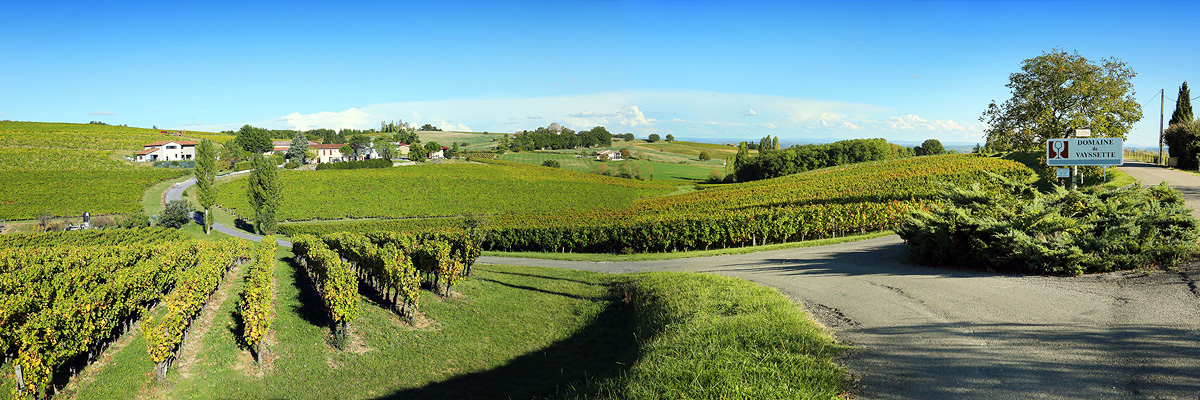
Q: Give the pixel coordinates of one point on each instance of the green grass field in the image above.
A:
(513, 332)
(445, 189)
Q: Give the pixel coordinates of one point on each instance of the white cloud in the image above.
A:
(351, 118)
(103, 113)
(698, 113)
(448, 126)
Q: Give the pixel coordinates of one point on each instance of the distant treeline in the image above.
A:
(775, 162)
(557, 138)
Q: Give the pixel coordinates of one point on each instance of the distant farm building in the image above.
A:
(166, 150)
(611, 155)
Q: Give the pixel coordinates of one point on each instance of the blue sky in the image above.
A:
(901, 70)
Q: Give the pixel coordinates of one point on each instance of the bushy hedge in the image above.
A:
(1059, 233)
(376, 163)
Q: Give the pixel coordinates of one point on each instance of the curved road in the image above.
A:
(176, 193)
(933, 333)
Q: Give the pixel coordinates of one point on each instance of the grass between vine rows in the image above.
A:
(514, 332)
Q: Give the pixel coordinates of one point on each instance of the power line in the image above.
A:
(1151, 99)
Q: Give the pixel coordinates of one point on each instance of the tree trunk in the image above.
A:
(20, 378)
(160, 371)
(258, 356)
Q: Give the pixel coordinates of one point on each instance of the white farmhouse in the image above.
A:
(327, 153)
(167, 150)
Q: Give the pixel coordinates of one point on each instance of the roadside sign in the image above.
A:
(1085, 151)
(1062, 172)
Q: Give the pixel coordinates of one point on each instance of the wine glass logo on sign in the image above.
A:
(1058, 149)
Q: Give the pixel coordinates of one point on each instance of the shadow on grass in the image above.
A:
(545, 277)
(311, 308)
(241, 224)
(601, 351)
(531, 288)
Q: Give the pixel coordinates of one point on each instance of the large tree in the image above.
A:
(265, 191)
(298, 148)
(1183, 106)
(254, 140)
(1059, 91)
(206, 174)
(932, 147)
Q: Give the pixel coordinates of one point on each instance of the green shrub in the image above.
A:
(176, 215)
(241, 166)
(551, 164)
(376, 163)
(1013, 227)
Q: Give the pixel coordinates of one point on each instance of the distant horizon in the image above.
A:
(902, 70)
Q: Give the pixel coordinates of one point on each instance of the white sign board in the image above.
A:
(1085, 151)
(1062, 172)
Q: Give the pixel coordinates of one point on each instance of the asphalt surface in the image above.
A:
(935, 333)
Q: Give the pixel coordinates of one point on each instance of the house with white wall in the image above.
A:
(327, 153)
(167, 150)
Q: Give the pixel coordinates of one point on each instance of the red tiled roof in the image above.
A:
(146, 151)
(327, 146)
(162, 142)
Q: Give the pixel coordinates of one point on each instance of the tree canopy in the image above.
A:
(298, 148)
(1059, 91)
(265, 191)
(206, 174)
(254, 140)
(1183, 106)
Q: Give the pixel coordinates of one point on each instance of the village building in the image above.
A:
(167, 150)
(328, 153)
(611, 155)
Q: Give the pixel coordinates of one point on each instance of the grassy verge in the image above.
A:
(712, 337)
(152, 198)
(683, 254)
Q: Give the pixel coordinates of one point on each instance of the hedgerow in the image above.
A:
(1013, 227)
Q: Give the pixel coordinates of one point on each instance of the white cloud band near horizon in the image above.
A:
(685, 113)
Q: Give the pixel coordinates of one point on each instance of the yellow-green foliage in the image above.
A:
(256, 303)
(432, 190)
(66, 169)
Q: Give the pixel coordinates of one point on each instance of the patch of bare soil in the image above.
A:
(190, 348)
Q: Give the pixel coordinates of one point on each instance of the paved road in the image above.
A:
(176, 193)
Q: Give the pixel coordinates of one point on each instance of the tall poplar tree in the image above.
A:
(265, 192)
(1183, 106)
(206, 174)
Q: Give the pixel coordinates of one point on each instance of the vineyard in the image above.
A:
(66, 296)
(824, 203)
(433, 190)
(60, 169)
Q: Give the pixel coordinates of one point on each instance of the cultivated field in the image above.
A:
(61, 169)
(441, 189)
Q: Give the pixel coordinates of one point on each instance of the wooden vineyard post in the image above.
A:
(20, 378)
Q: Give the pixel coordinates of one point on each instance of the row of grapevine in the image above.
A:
(388, 268)
(66, 304)
(91, 237)
(192, 290)
(334, 280)
(257, 298)
(825, 203)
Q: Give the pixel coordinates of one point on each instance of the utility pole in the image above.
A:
(1162, 104)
